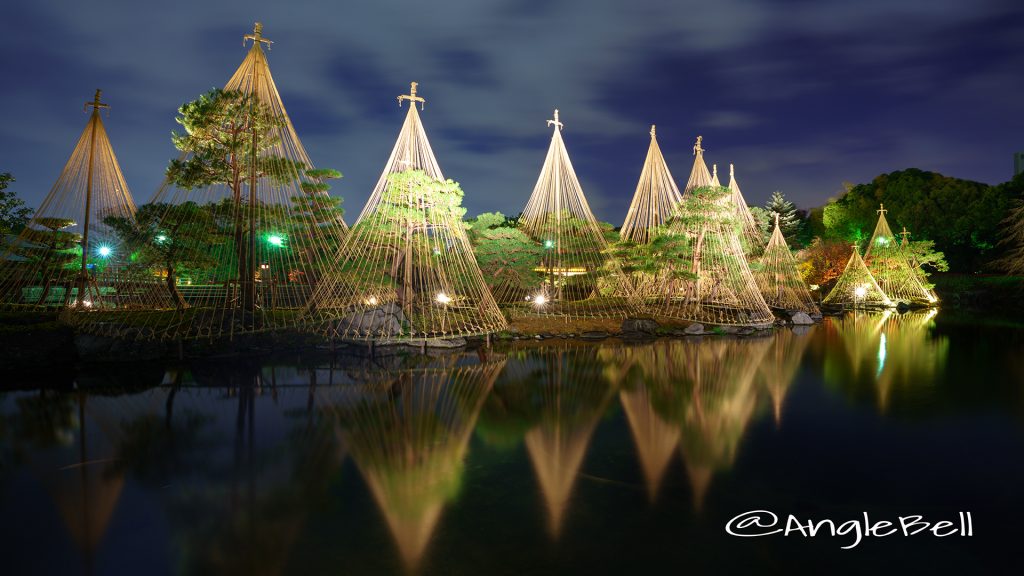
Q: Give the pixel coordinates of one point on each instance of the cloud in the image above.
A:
(796, 90)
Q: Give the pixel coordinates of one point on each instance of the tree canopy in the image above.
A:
(13, 212)
(960, 216)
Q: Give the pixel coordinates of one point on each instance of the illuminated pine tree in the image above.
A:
(789, 220)
(703, 275)
(57, 257)
(406, 270)
(578, 279)
(856, 287)
(891, 268)
(778, 277)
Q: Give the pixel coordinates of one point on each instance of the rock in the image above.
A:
(694, 329)
(386, 320)
(802, 319)
(730, 329)
(801, 330)
(445, 342)
(639, 325)
(594, 335)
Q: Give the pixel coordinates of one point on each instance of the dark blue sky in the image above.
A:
(801, 95)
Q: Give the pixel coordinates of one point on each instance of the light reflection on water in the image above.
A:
(249, 468)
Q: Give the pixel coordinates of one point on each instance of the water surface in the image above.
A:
(551, 458)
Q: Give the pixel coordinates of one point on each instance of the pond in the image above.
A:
(556, 457)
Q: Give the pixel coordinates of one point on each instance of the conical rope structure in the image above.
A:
(57, 260)
(574, 276)
(704, 276)
(655, 198)
(921, 276)
(888, 262)
(857, 287)
(752, 236)
(714, 176)
(779, 280)
(699, 175)
(406, 270)
(242, 230)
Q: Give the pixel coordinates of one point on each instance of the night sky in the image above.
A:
(801, 95)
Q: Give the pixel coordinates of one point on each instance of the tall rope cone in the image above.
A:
(266, 239)
(655, 198)
(574, 279)
(857, 286)
(406, 270)
(704, 277)
(752, 237)
(887, 260)
(918, 270)
(699, 175)
(779, 280)
(56, 261)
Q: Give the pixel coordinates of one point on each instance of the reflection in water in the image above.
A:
(707, 390)
(780, 364)
(551, 398)
(241, 459)
(407, 428)
(884, 352)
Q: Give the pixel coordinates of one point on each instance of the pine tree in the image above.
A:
(506, 256)
(13, 212)
(790, 222)
(51, 252)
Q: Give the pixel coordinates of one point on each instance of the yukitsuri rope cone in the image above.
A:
(921, 276)
(704, 273)
(778, 279)
(655, 198)
(408, 430)
(856, 287)
(752, 236)
(55, 262)
(242, 229)
(406, 270)
(714, 176)
(654, 201)
(888, 263)
(573, 278)
(699, 175)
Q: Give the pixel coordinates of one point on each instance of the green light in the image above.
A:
(104, 251)
(882, 240)
(549, 244)
(276, 240)
(161, 238)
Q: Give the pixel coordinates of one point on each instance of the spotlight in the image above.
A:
(442, 298)
(104, 251)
